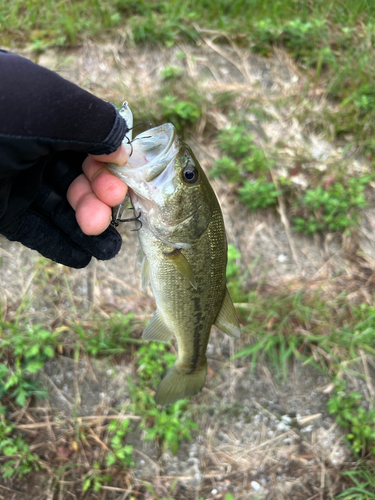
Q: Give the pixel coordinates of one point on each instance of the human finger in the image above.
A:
(108, 188)
(120, 156)
(93, 216)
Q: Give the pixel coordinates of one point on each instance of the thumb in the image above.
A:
(120, 156)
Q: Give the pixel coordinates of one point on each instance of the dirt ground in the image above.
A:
(259, 437)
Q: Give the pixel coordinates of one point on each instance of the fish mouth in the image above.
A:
(153, 150)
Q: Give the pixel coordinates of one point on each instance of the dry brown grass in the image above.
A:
(233, 451)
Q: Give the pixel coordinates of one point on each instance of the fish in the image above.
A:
(183, 253)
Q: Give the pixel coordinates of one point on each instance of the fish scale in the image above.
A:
(183, 254)
(182, 308)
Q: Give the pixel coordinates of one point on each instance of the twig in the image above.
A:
(367, 373)
(285, 222)
(98, 440)
(91, 420)
(224, 55)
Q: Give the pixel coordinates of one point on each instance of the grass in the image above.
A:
(331, 44)
(331, 41)
(24, 352)
(280, 328)
(363, 484)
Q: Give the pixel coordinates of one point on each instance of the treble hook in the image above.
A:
(116, 222)
(135, 219)
(130, 141)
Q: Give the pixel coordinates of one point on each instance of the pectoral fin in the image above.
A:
(157, 329)
(140, 255)
(145, 272)
(182, 265)
(227, 320)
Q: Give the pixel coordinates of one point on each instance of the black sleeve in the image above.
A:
(47, 127)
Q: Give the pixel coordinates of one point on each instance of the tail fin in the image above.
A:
(176, 385)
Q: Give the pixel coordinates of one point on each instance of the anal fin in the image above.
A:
(157, 329)
(227, 320)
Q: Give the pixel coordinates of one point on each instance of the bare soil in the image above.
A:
(259, 436)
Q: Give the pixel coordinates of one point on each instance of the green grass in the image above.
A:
(332, 41)
(284, 326)
(24, 351)
(355, 419)
(333, 45)
(334, 208)
(292, 22)
(363, 484)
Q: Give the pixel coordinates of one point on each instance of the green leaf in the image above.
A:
(32, 352)
(110, 460)
(49, 351)
(3, 370)
(86, 484)
(34, 366)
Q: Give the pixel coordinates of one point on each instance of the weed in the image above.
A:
(298, 326)
(359, 422)
(363, 479)
(112, 337)
(25, 350)
(181, 113)
(258, 194)
(170, 73)
(120, 453)
(226, 167)
(168, 426)
(332, 209)
(17, 460)
(15, 382)
(241, 158)
(95, 479)
(153, 361)
(236, 142)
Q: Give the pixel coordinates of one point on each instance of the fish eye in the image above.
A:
(190, 175)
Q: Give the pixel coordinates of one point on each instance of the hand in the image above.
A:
(51, 126)
(92, 193)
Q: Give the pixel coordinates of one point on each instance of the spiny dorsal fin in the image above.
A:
(227, 320)
(145, 272)
(179, 260)
(157, 329)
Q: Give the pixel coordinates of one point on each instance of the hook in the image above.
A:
(116, 222)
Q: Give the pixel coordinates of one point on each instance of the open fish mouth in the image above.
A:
(152, 151)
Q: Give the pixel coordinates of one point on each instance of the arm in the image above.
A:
(47, 127)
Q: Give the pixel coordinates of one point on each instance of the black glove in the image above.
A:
(47, 127)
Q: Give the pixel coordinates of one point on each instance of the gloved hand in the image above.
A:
(47, 127)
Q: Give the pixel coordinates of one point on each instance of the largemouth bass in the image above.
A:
(183, 253)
